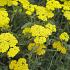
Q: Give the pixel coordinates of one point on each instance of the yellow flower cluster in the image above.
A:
(51, 27)
(41, 12)
(3, 2)
(44, 13)
(40, 34)
(67, 14)
(4, 19)
(30, 8)
(26, 30)
(64, 36)
(8, 44)
(39, 49)
(59, 46)
(8, 2)
(66, 9)
(38, 30)
(53, 4)
(18, 65)
(12, 2)
(13, 51)
(66, 5)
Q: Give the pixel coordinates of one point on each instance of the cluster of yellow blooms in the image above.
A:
(41, 12)
(4, 19)
(26, 30)
(18, 65)
(30, 8)
(66, 9)
(64, 36)
(37, 48)
(8, 44)
(40, 40)
(40, 34)
(40, 31)
(53, 4)
(8, 2)
(59, 46)
(45, 13)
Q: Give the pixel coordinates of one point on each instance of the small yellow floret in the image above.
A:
(64, 36)
(58, 45)
(26, 30)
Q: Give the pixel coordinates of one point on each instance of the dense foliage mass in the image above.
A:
(34, 34)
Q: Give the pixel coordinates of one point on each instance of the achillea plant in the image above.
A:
(34, 34)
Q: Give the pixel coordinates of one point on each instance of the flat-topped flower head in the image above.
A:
(8, 44)
(4, 19)
(18, 65)
(8, 2)
(59, 47)
(64, 36)
(67, 14)
(39, 49)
